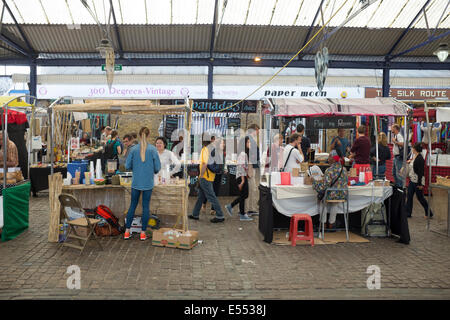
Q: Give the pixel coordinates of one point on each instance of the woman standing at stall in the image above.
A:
(242, 174)
(384, 153)
(417, 180)
(143, 160)
(167, 157)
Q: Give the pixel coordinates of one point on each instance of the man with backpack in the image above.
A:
(206, 190)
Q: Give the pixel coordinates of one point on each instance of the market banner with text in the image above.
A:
(143, 91)
(410, 94)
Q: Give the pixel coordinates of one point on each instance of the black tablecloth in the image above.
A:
(39, 178)
(398, 219)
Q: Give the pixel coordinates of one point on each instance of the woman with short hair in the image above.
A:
(417, 180)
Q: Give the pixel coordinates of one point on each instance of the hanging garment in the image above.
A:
(435, 130)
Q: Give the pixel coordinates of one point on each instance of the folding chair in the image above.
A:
(326, 202)
(68, 200)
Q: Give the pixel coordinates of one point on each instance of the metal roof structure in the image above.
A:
(403, 33)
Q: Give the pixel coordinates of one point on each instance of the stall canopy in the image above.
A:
(122, 107)
(330, 107)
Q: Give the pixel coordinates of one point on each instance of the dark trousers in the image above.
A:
(412, 188)
(216, 186)
(242, 196)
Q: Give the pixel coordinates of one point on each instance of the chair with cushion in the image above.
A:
(68, 200)
(326, 202)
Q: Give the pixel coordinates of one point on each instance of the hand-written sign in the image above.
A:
(337, 122)
(171, 125)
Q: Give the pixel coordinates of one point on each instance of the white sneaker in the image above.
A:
(229, 209)
(245, 217)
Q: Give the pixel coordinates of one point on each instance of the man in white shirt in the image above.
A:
(397, 150)
(292, 157)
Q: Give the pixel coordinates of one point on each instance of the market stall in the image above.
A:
(168, 198)
(15, 190)
(433, 172)
(301, 198)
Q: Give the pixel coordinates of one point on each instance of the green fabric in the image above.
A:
(15, 210)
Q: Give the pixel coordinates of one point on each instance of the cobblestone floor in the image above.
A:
(229, 264)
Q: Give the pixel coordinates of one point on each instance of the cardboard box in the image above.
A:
(175, 238)
(381, 183)
(304, 166)
(307, 180)
(353, 172)
(295, 172)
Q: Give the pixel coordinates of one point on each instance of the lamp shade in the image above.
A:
(442, 52)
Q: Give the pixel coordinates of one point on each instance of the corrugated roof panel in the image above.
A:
(359, 41)
(286, 12)
(330, 9)
(27, 11)
(59, 38)
(260, 12)
(307, 12)
(434, 12)
(384, 16)
(57, 12)
(418, 36)
(132, 13)
(184, 38)
(260, 39)
(205, 13)
(235, 12)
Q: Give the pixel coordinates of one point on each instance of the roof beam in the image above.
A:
(213, 29)
(311, 27)
(235, 63)
(14, 45)
(406, 30)
(432, 39)
(116, 29)
(22, 34)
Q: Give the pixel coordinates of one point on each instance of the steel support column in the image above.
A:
(32, 85)
(386, 76)
(210, 80)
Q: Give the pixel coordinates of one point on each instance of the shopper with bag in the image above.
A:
(292, 157)
(415, 172)
(206, 190)
(143, 160)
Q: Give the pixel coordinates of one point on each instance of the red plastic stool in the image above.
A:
(294, 235)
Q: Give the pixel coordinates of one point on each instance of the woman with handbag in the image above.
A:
(415, 172)
(242, 175)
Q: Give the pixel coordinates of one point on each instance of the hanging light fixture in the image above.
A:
(442, 52)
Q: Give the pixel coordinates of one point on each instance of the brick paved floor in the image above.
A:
(219, 268)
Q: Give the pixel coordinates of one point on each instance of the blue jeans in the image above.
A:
(381, 171)
(135, 194)
(206, 191)
(397, 165)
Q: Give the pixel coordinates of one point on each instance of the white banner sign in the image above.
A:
(141, 91)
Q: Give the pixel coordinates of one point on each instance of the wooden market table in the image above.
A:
(168, 202)
(440, 203)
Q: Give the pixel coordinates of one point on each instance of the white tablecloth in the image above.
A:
(290, 200)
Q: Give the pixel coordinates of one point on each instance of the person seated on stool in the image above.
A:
(336, 172)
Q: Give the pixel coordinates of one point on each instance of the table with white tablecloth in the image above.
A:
(279, 203)
(290, 200)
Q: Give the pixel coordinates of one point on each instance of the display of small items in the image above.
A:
(13, 176)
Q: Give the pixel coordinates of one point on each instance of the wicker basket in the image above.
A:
(443, 181)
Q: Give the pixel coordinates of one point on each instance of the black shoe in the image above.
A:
(192, 217)
(216, 220)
